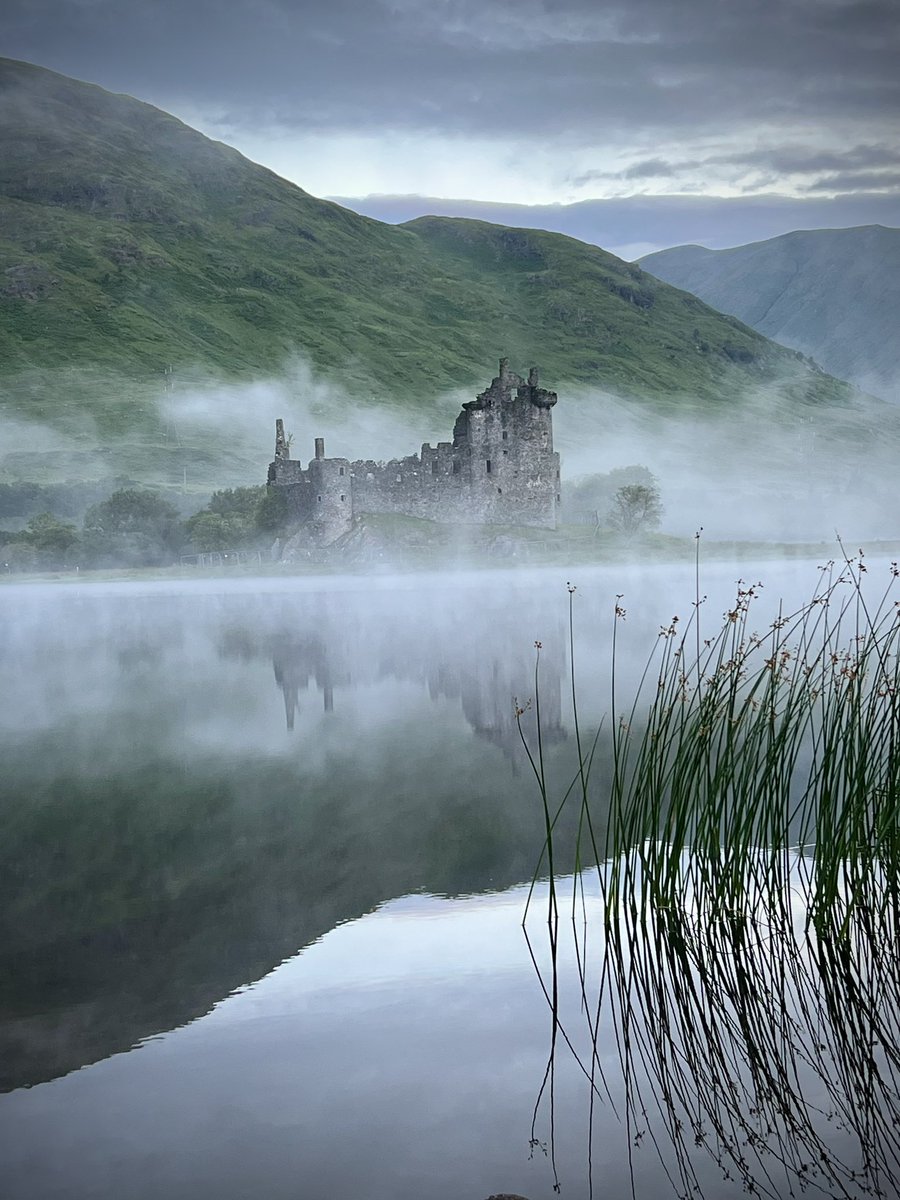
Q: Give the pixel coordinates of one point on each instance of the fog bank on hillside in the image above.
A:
(752, 471)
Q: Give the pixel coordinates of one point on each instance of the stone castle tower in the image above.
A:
(499, 469)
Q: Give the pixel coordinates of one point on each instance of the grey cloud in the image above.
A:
(800, 160)
(650, 168)
(647, 168)
(567, 68)
(860, 181)
(777, 160)
(796, 160)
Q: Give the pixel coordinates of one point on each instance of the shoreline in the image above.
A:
(385, 558)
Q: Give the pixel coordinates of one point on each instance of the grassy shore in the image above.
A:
(383, 543)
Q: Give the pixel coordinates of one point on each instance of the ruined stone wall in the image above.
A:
(500, 468)
(332, 506)
(427, 485)
(506, 436)
(320, 497)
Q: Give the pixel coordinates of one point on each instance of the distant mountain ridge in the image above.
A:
(132, 245)
(833, 294)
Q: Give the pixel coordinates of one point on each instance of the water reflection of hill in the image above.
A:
(165, 843)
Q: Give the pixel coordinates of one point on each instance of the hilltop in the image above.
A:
(132, 246)
(830, 293)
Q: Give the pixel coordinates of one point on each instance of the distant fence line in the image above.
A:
(221, 558)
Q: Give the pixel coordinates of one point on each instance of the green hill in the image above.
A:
(132, 246)
(831, 293)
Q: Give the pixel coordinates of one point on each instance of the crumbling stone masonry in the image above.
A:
(499, 469)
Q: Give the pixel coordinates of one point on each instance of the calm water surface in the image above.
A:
(264, 865)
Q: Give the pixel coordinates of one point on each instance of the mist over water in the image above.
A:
(276, 835)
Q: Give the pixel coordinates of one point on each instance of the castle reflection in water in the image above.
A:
(488, 677)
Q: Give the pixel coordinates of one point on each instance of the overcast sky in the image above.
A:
(742, 118)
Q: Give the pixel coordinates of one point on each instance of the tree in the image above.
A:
(272, 511)
(237, 502)
(211, 531)
(132, 527)
(229, 521)
(636, 508)
(46, 532)
(46, 543)
(589, 500)
(132, 510)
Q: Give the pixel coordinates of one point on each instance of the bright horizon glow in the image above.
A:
(557, 172)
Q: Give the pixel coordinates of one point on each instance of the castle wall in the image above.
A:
(513, 471)
(426, 485)
(500, 468)
(319, 497)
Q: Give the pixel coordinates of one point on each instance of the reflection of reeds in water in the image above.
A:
(747, 967)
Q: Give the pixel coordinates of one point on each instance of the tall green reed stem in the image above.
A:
(754, 775)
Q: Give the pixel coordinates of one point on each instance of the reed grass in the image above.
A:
(743, 957)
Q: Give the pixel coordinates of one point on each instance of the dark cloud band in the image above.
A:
(502, 68)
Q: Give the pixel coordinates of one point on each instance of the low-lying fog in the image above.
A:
(205, 659)
(751, 470)
(201, 781)
(762, 467)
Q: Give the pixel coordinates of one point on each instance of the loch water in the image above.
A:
(266, 852)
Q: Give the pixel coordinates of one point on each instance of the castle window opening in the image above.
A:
(505, 435)
(499, 491)
(434, 466)
(488, 465)
(340, 472)
(319, 498)
(456, 466)
(343, 497)
(506, 454)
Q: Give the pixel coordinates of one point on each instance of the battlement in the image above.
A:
(500, 468)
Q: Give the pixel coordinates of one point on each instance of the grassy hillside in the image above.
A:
(130, 245)
(831, 293)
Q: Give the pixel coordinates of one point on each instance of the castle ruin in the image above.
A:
(500, 469)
